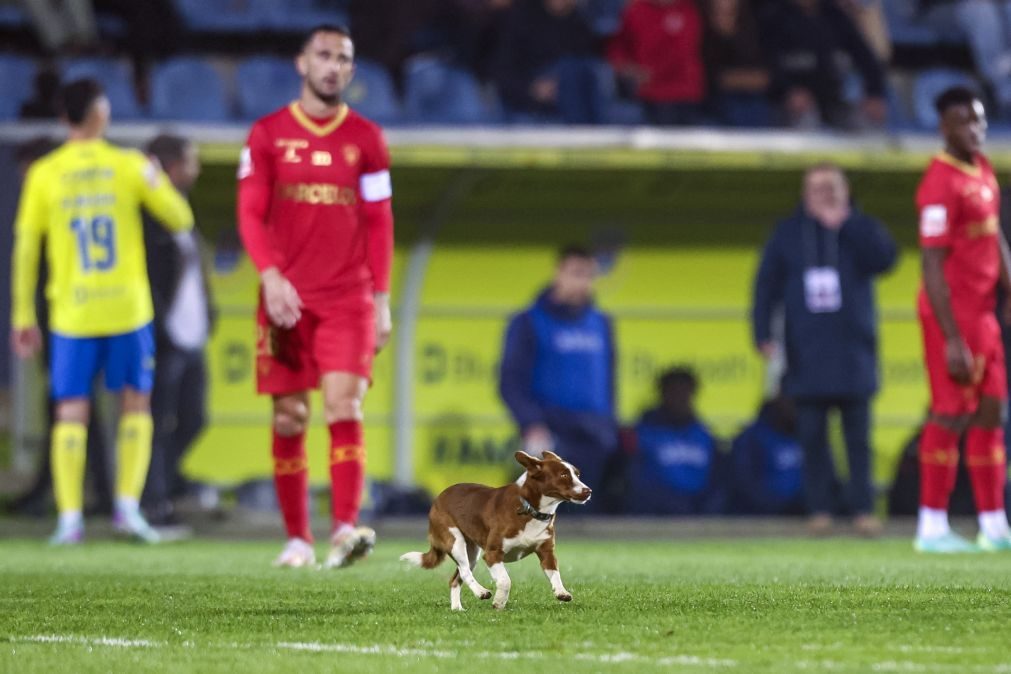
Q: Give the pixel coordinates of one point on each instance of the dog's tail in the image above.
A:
(427, 560)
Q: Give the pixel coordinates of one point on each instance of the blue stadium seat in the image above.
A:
(12, 15)
(437, 93)
(116, 77)
(302, 15)
(188, 89)
(907, 29)
(265, 83)
(222, 16)
(605, 15)
(928, 85)
(17, 74)
(372, 94)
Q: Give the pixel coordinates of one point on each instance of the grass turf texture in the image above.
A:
(732, 606)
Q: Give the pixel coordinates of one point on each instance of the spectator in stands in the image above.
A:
(62, 24)
(183, 320)
(986, 25)
(658, 50)
(737, 71)
(42, 104)
(869, 18)
(820, 265)
(385, 30)
(557, 370)
(544, 65)
(767, 463)
(677, 468)
(809, 41)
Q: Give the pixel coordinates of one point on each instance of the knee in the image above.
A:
(291, 418)
(343, 407)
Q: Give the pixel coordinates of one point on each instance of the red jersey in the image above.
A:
(959, 206)
(666, 40)
(308, 196)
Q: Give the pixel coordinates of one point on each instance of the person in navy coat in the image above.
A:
(819, 266)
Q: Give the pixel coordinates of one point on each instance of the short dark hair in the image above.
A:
(574, 250)
(77, 97)
(326, 28)
(167, 148)
(679, 374)
(954, 96)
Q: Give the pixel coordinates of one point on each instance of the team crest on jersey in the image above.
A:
(352, 154)
(321, 158)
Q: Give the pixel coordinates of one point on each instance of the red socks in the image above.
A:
(938, 465)
(291, 481)
(347, 471)
(987, 464)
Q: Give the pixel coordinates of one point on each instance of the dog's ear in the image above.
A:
(551, 455)
(532, 464)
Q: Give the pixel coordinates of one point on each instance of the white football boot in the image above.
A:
(297, 553)
(348, 545)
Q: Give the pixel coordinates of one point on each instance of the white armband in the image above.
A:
(376, 186)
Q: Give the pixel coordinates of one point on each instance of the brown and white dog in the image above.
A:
(506, 523)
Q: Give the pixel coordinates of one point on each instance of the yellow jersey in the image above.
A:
(84, 200)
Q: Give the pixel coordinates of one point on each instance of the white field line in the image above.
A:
(380, 649)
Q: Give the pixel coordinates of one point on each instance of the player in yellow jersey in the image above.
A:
(84, 200)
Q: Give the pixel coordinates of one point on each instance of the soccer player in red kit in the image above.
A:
(315, 217)
(964, 258)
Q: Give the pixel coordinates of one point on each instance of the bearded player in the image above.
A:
(316, 219)
(965, 256)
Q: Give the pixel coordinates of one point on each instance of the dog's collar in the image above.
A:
(527, 509)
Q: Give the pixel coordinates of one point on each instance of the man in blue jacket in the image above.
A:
(820, 266)
(557, 370)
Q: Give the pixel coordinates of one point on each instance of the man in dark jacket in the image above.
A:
(544, 66)
(557, 371)
(183, 316)
(820, 266)
(808, 41)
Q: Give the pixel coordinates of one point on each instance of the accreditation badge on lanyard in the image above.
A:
(822, 289)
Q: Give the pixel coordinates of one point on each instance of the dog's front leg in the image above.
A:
(494, 558)
(546, 553)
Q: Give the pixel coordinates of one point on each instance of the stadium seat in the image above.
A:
(605, 15)
(906, 29)
(116, 77)
(926, 88)
(438, 93)
(222, 16)
(12, 15)
(188, 89)
(301, 15)
(17, 74)
(372, 94)
(265, 83)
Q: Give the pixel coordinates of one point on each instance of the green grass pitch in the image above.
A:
(687, 606)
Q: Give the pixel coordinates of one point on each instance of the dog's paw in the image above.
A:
(458, 609)
(484, 595)
(499, 606)
(564, 596)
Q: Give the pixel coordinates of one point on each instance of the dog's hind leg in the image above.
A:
(460, 554)
(546, 553)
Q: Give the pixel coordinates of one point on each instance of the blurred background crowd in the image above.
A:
(844, 64)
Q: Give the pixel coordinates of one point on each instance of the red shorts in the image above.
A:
(989, 378)
(337, 337)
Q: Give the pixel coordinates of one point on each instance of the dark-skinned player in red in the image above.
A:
(315, 216)
(965, 257)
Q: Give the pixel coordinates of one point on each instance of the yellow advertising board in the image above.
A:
(672, 305)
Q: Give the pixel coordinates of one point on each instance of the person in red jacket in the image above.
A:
(659, 49)
(316, 219)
